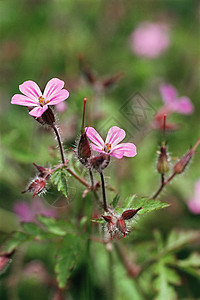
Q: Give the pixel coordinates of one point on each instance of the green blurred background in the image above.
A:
(42, 39)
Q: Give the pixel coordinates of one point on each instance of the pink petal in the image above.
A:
(96, 148)
(53, 87)
(30, 89)
(59, 97)
(124, 149)
(38, 111)
(23, 100)
(93, 135)
(194, 206)
(115, 135)
(168, 93)
(184, 106)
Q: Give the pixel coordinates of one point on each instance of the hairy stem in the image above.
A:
(59, 142)
(163, 184)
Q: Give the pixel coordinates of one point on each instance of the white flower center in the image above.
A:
(42, 101)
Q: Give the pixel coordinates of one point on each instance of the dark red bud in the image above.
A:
(121, 225)
(86, 70)
(46, 118)
(163, 161)
(107, 218)
(180, 166)
(99, 162)
(84, 151)
(42, 170)
(36, 186)
(113, 79)
(128, 214)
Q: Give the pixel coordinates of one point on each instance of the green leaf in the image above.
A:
(165, 277)
(115, 200)
(57, 227)
(66, 259)
(191, 264)
(179, 238)
(59, 178)
(98, 220)
(15, 240)
(148, 205)
(34, 230)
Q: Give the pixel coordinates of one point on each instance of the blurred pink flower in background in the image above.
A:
(173, 103)
(28, 212)
(194, 202)
(61, 107)
(150, 39)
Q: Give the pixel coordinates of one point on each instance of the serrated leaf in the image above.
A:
(115, 200)
(179, 238)
(34, 230)
(165, 277)
(59, 178)
(191, 264)
(148, 205)
(66, 259)
(16, 239)
(98, 220)
(53, 226)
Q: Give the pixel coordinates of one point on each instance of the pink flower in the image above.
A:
(173, 103)
(111, 146)
(150, 39)
(28, 212)
(194, 203)
(53, 94)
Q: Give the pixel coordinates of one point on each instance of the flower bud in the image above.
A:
(163, 161)
(36, 186)
(180, 166)
(84, 151)
(111, 224)
(99, 162)
(43, 172)
(113, 79)
(121, 225)
(46, 118)
(128, 214)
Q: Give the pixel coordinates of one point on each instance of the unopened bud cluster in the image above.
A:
(116, 223)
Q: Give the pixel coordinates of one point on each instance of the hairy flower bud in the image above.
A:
(43, 172)
(47, 118)
(130, 213)
(180, 166)
(163, 161)
(99, 162)
(84, 151)
(36, 186)
(121, 225)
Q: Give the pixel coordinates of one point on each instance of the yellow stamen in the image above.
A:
(107, 148)
(41, 100)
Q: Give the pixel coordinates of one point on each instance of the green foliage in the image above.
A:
(14, 241)
(148, 205)
(115, 200)
(59, 178)
(66, 259)
(165, 277)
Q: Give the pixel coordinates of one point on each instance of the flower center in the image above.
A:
(41, 100)
(107, 148)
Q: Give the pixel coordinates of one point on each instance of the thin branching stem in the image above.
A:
(103, 192)
(163, 184)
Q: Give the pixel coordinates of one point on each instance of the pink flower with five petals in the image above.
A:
(33, 97)
(111, 145)
(173, 103)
